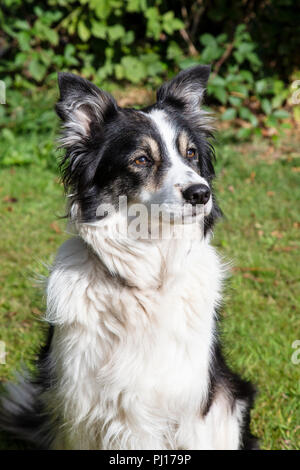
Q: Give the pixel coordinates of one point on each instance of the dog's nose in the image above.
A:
(197, 194)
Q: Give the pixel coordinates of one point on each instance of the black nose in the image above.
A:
(197, 194)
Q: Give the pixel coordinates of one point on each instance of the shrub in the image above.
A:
(143, 42)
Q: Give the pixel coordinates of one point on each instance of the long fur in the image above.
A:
(133, 359)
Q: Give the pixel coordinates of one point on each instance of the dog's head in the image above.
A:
(157, 155)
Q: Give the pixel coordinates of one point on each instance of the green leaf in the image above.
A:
(246, 114)
(240, 88)
(244, 133)
(8, 135)
(24, 38)
(261, 86)
(266, 106)
(281, 114)
(37, 69)
(278, 86)
(235, 101)
(219, 93)
(133, 6)
(238, 57)
(218, 81)
(20, 58)
(102, 8)
(154, 66)
(229, 114)
(134, 70)
(99, 29)
(109, 53)
(211, 53)
(170, 23)
(22, 24)
(187, 62)
(174, 51)
(83, 31)
(278, 100)
(254, 59)
(207, 39)
(128, 38)
(116, 32)
(247, 75)
(52, 36)
(221, 38)
(296, 113)
(271, 121)
(119, 71)
(245, 47)
(69, 55)
(154, 26)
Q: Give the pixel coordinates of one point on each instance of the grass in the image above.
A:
(259, 192)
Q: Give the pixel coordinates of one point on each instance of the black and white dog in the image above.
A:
(133, 359)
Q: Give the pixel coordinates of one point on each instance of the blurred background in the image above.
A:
(129, 47)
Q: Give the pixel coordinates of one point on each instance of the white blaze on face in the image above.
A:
(179, 175)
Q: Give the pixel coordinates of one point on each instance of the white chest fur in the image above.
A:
(131, 347)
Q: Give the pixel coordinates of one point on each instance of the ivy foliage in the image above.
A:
(143, 42)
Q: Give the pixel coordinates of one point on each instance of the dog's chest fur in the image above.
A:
(132, 347)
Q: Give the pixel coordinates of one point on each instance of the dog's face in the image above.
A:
(158, 155)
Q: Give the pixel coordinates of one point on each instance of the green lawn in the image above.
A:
(259, 192)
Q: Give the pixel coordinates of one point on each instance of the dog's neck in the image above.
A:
(143, 262)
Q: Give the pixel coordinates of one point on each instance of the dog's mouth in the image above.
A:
(183, 213)
(146, 215)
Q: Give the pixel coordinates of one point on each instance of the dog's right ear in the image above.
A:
(82, 107)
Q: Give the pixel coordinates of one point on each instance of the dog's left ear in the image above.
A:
(186, 90)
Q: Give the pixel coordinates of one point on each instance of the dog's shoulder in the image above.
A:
(68, 281)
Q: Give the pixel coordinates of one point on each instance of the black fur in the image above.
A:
(22, 411)
(221, 376)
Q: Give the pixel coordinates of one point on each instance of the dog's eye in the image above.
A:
(191, 153)
(142, 161)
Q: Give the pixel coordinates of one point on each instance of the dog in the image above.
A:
(133, 357)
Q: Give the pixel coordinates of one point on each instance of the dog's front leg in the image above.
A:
(219, 429)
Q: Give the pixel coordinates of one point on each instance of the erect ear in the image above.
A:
(186, 90)
(81, 106)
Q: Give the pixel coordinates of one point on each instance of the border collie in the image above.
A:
(132, 359)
